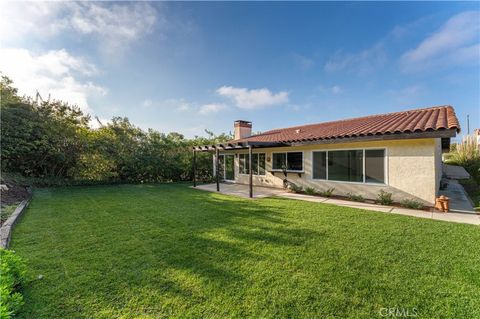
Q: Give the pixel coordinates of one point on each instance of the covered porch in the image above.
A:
(235, 188)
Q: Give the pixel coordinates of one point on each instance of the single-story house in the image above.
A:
(396, 152)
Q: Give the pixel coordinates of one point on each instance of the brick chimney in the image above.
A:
(242, 129)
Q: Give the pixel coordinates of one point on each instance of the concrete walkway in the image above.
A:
(262, 192)
(459, 200)
(455, 172)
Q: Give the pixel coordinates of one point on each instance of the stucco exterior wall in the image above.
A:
(412, 169)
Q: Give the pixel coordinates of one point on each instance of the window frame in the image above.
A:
(385, 165)
(286, 162)
(258, 163)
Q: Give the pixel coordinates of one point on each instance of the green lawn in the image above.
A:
(169, 251)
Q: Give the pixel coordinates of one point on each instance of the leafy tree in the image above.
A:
(53, 140)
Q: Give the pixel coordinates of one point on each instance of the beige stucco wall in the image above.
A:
(413, 169)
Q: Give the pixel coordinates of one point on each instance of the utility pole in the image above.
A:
(468, 124)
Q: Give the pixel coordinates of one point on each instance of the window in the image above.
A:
(320, 165)
(279, 161)
(292, 161)
(362, 166)
(258, 164)
(375, 166)
(345, 166)
(261, 164)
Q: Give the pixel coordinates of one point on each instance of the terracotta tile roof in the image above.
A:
(419, 120)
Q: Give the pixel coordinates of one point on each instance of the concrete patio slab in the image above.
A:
(262, 192)
(241, 190)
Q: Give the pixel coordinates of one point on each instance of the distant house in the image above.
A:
(396, 152)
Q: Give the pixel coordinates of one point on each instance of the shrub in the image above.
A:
(356, 198)
(327, 193)
(13, 274)
(384, 198)
(310, 191)
(467, 152)
(411, 203)
(296, 188)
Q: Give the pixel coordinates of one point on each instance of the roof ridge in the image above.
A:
(356, 118)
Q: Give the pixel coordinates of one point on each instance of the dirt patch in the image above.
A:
(13, 195)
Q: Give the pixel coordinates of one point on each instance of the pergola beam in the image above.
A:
(194, 168)
(217, 175)
(250, 155)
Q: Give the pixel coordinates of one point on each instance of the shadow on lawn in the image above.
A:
(209, 239)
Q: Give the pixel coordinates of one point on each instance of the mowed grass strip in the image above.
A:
(153, 251)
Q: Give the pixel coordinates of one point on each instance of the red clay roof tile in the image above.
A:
(418, 120)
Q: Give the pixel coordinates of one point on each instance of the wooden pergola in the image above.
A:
(228, 147)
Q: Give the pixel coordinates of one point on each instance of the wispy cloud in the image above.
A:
(254, 98)
(114, 26)
(211, 108)
(302, 62)
(455, 43)
(56, 73)
(363, 62)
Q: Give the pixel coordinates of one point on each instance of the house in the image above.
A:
(396, 152)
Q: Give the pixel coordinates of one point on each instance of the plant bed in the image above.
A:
(356, 199)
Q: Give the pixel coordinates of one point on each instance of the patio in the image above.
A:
(241, 190)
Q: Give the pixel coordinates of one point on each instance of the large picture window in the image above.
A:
(320, 165)
(345, 166)
(361, 166)
(292, 161)
(258, 164)
(375, 166)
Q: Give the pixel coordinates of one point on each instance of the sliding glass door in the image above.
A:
(226, 167)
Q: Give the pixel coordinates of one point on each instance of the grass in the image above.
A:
(7, 211)
(154, 251)
(473, 190)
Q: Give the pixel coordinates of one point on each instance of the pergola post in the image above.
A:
(251, 170)
(217, 175)
(194, 168)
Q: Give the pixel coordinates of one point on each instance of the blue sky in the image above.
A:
(187, 67)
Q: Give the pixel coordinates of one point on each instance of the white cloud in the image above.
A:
(114, 26)
(336, 89)
(211, 108)
(177, 104)
(302, 62)
(255, 98)
(363, 62)
(147, 103)
(456, 42)
(55, 73)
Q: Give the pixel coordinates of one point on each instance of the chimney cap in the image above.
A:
(243, 123)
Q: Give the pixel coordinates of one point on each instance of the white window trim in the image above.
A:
(286, 162)
(385, 165)
(248, 174)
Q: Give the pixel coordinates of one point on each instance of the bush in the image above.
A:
(296, 188)
(356, 198)
(327, 193)
(310, 191)
(411, 203)
(466, 152)
(384, 198)
(13, 273)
